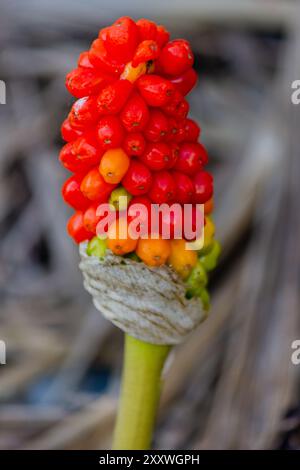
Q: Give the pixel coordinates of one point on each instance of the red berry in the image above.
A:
(83, 113)
(76, 229)
(176, 57)
(113, 97)
(80, 155)
(72, 195)
(135, 114)
(176, 130)
(68, 133)
(177, 107)
(171, 223)
(101, 59)
(163, 188)
(90, 218)
(121, 39)
(162, 36)
(189, 159)
(84, 60)
(134, 144)
(147, 29)
(143, 212)
(110, 132)
(156, 156)
(157, 127)
(94, 187)
(184, 187)
(174, 153)
(185, 82)
(191, 130)
(84, 82)
(146, 50)
(138, 179)
(203, 185)
(156, 90)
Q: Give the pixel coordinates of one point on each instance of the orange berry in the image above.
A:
(181, 259)
(154, 252)
(209, 206)
(114, 165)
(119, 240)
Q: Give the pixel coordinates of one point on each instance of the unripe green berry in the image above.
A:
(196, 280)
(96, 247)
(209, 260)
(119, 199)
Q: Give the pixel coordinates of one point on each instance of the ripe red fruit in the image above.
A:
(68, 133)
(80, 155)
(177, 107)
(90, 218)
(94, 187)
(163, 188)
(191, 130)
(143, 213)
(101, 59)
(147, 29)
(121, 39)
(135, 114)
(162, 36)
(138, 179)
(203, 185)
(156, 90)
(184, 187)
(113, 97)
(190, 158)
(84, 82)
(157, 127)
(176, 57)
(146, 50)
(84, 61)
(109, 132)
(185, 83)
(76, 229)
(83, 113)
(134, 144)
(156, 156)
(174, 153)
(72, 195)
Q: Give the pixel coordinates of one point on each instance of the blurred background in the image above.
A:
(232, 385)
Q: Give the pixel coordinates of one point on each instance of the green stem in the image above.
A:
(140, 391)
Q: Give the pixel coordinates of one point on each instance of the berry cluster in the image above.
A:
(128, 134)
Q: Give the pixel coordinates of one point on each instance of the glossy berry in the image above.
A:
(83, 113)
(135, 114)
(184, 187)
(209, 206)
(154, 252)
(102, 60)
(68, 133)
(162, 36)
(121, 39)
(84, 61)
(114, 165)
(113, 97)
(134, 144)
(94, 187)
(177, 107)
(76, 229)
(203, 186)
(147, 50)
(138, 178)
(147, 29)
(163, 188)
(176, 57)
(72, 194)
(84, 82)
(189, 159)
(120, 241)
(156, 90)
(185, 83)
(90, 217)
(80, 155)
(174, 153)
(96, 247)
(157, 127)
(110, 132)
(191, 130)
(156, 156)
(139, 210)
(120, 199)
(181, 259)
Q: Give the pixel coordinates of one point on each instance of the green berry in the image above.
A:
(205, 298)
(209, 260)
(196, 280)
(119, 199)
(96, 247)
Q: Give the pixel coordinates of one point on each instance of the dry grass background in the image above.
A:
(232, 385)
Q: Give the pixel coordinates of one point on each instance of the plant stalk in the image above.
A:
(140, 392)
